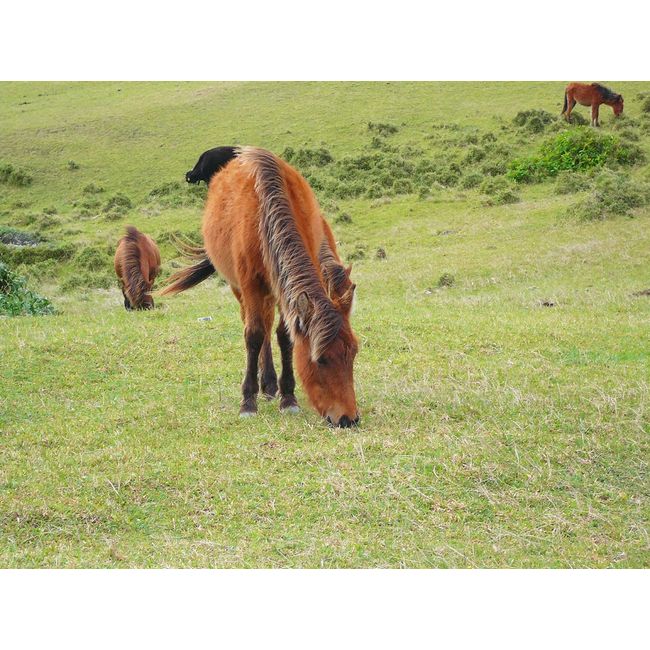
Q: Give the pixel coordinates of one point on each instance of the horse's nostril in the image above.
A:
(345, 422)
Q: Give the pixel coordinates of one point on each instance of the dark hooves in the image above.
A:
(289, 404)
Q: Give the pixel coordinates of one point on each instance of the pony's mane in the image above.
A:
(290, 266)
(135, 286)
(606, 93)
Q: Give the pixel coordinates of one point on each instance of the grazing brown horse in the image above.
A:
(137, 263)
(263, 231)
(591, 95)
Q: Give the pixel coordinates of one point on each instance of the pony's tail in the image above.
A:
(135, 286)
(566, 104)
(189, 277)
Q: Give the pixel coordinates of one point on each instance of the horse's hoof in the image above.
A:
(289, 404)
(290, 409)
(247, 414)
(270, 392)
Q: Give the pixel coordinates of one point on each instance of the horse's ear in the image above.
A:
(304, 309)
(347, 299)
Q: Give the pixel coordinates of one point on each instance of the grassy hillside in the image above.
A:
(504, 372)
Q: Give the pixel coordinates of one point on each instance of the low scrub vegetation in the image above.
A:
(16, 299)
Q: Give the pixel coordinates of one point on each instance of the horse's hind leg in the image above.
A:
(253, 302)
(288, 401)
(268, 378)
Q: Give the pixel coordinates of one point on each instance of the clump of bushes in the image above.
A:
(15, 255)
(175, 194)
(473, 179)
(533, 120)
(645, 105)
(499, 191)
(612, 194)
(575, 149)
(117, 205)
(91, 188)
(569, 182)
(86, 280)
(11, 175)
(16, 299)
(382, 128)
(91, 258)
(306, 157)
(18, 237)
(359, 253)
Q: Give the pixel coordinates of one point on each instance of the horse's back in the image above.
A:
(231, 221)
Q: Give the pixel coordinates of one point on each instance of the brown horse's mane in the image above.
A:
(135, 285)
(290, 266)
(607, 94)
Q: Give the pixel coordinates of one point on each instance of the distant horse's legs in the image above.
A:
(288, 401)
(269, 379)
(594, 114)
(127, 303)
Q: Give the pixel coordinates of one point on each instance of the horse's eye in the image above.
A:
(322, 361)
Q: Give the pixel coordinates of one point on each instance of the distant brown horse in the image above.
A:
(591, 95)
(137, 263)
(263, 231)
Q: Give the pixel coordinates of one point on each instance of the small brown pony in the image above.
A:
(263, 231)
(137, 263)
(591, 95)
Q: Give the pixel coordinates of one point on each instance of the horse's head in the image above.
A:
(618, 105)
(325, 347)
(189, 177)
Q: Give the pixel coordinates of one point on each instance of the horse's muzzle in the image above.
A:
(344, 422)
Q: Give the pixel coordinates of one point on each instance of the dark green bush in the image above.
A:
(16, 299)
(72, 165)
(471, 180)
(92, 258)
(446, 280)
(91, 188)
(645, 105)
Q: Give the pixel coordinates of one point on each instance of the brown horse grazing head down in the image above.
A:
(591, 95)
(263, 231)
(137, 263)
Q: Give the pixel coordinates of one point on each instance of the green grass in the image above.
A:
(496, 431)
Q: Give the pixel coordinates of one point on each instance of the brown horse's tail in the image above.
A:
(135, 286)
(192, 275)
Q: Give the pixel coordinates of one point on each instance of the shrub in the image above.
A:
(86, 279)
(359, 253)
(382, 128)
(533, 120)
(11, 175)
(612, 194)
(72, 165)
(92, 258)
(569, 182)
(303, 158)
(117, 205)
(15, 255)
(16, 299)
(18, 237)
(645, 105)
(474, 154)
(91, 188)
(471, 180)
(446, 280)
(344, 217)
(575, 149)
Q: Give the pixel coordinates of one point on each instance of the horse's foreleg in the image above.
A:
(570, 103)
(269, 380)
(288, 401)
(594, 114)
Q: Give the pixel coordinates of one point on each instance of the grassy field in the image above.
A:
(504, 372)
